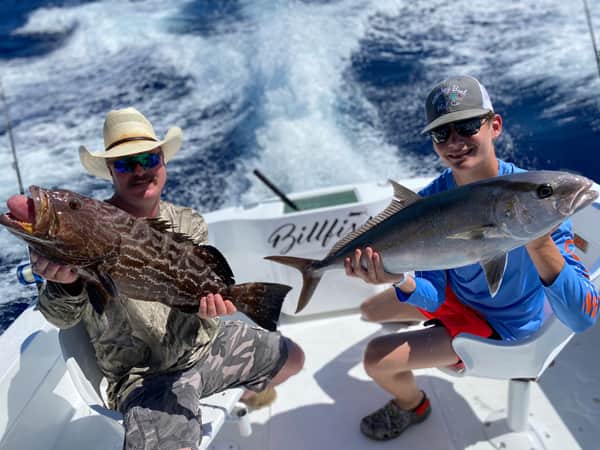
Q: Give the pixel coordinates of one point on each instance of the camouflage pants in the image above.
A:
(164, 413)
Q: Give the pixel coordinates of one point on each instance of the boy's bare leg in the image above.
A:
(390, 359)
(385, 307)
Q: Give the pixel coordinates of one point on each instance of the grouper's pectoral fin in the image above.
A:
(97, 297)
(494, 272)
(100, 288)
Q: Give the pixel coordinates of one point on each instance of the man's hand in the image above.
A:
(52, 272)
(374, 273)
(213, 305)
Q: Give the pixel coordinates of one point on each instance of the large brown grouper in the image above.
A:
(115, 252)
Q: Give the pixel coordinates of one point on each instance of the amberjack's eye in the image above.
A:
(74, 204)
(544, 191)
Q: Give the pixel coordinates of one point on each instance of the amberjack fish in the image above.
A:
(478, 222)
(115, 252)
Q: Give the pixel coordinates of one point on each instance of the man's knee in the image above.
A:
(295, 359)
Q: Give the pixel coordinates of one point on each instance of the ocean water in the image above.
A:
(312, 93)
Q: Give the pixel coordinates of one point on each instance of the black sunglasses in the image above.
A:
(464, 128)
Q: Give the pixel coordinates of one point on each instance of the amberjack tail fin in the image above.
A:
(261, 302)
(310, 279)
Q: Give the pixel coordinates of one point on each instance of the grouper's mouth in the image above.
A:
(28, 216)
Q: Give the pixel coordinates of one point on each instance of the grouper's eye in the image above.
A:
(74, 204)
(544, 191)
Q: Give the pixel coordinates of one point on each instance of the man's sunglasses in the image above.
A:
(128, 164)
(464, 128)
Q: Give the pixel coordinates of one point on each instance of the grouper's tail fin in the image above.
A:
(310, 278)
(260, 301)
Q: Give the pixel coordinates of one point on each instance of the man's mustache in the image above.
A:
(145, 179)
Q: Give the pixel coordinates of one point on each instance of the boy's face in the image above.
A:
(467, 153)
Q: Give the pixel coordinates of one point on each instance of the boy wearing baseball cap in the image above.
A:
(463, 127)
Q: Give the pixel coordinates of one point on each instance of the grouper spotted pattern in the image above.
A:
(115, 252)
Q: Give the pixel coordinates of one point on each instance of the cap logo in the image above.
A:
(449, 96)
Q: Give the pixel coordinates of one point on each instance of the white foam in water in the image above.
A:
(302, 52)
(290, 61)
(48, 20)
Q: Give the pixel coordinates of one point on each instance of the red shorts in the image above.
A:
(457, 317)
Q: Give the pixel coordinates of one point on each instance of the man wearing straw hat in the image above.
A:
(159, 361)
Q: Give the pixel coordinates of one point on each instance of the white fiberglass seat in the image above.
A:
(526, 358)
(521, 362)
(80, 360)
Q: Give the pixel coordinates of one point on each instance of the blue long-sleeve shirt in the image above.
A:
(517, 309)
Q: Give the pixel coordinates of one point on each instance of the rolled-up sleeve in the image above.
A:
(63, 305)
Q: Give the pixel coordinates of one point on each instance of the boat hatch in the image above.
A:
(323, 200)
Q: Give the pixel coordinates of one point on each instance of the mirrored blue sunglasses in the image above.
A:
(128, 164)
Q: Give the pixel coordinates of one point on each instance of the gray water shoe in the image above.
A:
(390, 421)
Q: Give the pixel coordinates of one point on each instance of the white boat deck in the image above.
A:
(321, 407)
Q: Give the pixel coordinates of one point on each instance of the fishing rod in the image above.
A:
(276, 190)
(11, 139)
(25, 273)
(591, 28)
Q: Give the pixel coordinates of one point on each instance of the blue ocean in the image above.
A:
(313, 93)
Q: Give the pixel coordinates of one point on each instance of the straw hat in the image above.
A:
(128, 132)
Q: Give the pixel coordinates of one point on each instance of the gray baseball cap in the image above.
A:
(456, 98)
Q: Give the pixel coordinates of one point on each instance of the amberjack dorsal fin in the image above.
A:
(403, 194)
(402, 198)
(494, 272)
